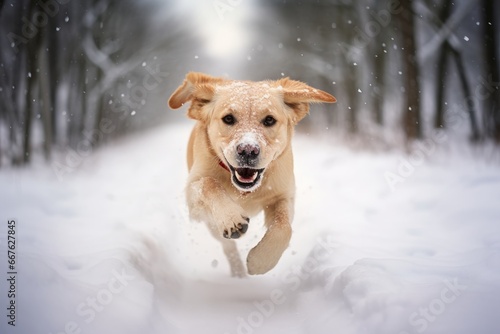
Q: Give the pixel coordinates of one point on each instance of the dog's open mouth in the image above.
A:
(246, 178)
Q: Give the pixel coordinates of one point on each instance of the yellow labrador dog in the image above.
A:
(240, 159)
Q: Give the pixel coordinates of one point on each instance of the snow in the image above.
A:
(110, 248)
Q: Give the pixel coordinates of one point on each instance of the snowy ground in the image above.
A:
(108, 248)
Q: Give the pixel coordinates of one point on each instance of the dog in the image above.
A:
(240, 159)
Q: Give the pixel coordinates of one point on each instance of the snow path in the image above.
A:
(110, 249)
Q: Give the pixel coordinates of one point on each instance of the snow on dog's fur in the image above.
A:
(240, 159)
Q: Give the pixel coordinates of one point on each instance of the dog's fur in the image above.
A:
(240, 159)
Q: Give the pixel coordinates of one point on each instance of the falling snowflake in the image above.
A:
(466, 38)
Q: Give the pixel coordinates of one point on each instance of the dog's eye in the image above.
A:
(229, 119)
(269, 121)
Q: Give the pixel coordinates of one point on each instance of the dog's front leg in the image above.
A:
(268, 251)
(231, 252)
(208, 201)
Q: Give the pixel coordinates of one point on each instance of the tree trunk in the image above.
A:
(378, 89)
(411, 112)
(45, 87)
(492, 103)
(31, 93)
(441, 71)
(468, 95)
(54, 73)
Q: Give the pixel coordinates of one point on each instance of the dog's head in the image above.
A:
(249, 124)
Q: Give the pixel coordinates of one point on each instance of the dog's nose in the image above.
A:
(248, 153)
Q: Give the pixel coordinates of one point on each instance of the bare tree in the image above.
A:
(46, 85)
(411, 111)
(492, 103)
(378, 87)
(443, 55)
(58, 83)
(32, 49)
(449, 47)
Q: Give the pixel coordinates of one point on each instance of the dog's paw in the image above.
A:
(266, 254)
(259, 263)
(237, 230)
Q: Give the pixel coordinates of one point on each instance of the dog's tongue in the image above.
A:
(246, 175)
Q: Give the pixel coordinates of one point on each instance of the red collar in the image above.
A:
(223, 165)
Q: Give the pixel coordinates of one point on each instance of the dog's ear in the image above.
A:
(198, 88)
(297, 95)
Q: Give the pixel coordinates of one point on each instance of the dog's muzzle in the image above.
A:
(246, 176)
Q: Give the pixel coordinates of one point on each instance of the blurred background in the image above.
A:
(78, 74)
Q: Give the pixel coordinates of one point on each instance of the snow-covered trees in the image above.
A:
(74, 73)
(395, 66)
